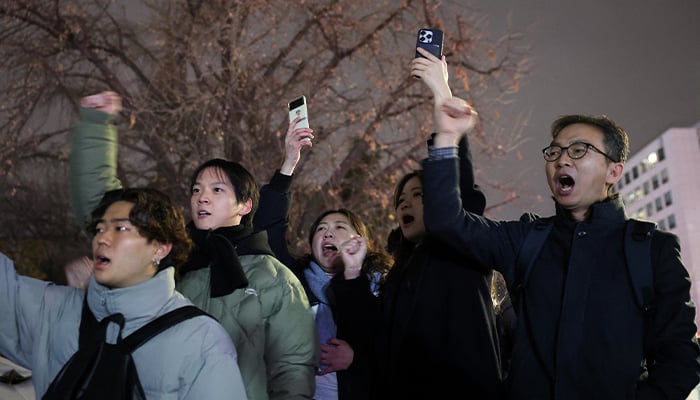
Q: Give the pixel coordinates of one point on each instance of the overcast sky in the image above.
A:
(638, 62)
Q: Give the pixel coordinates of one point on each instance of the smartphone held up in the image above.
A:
(297, 108)
(431, 40)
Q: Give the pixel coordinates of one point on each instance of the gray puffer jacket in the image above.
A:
(194, 359)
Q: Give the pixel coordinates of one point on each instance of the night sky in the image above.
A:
(638, 62)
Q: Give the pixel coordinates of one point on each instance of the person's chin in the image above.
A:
(568, 202)
(412, 232)
(102, 279)
(202, 225)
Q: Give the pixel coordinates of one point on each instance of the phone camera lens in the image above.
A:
(426, 36)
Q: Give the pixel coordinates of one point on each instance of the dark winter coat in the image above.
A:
(435, 333)
(581, 333)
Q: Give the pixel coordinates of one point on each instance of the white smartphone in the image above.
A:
(297, 108)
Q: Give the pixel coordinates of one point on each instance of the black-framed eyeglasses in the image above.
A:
(575, 151)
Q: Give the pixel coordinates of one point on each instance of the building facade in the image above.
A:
(661, 183)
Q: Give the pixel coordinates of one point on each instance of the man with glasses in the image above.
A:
(581, 334)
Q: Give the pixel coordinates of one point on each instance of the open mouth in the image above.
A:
(407, 219)
(566, 183)
(101, 260)
(329, 250)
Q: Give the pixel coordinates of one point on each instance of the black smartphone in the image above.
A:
(297, 108)
(431, 40)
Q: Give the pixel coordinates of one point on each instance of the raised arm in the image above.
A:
(433, 72)
(93, 159)
(275, 197)
(32, 310)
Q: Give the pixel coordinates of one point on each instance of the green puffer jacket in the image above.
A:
(270, 321)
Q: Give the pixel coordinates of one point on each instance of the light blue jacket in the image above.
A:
(194, 359)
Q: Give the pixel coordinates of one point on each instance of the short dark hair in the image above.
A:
(155, 216)
(614, 137)
(244, 185)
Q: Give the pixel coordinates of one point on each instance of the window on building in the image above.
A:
(641, 214)
(671, 221)
(662, 225)
(627, 178)
(659, 205)
(646, 187)
(668, 199)
(664, 176)
(654, 182)
(661, 154)
(619, 185)
(638, 193)
(644, 166)
(635, 172)
(650, 209)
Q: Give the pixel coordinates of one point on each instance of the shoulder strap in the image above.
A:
(638, 256)
(91, 332)
(88, 326)
(158, 325)
(530, 250)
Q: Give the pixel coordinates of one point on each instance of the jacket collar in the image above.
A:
(609, 210)
(140, 302)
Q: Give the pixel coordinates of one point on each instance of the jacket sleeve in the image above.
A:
(473, 199)
(292, 350)
(273, 215)
(15, 310)
(487, 242)
(25, 303)
(672, 348)
(93, 163)
(215, 374)
(356, 312)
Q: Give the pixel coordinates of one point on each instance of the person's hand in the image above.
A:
(352, 254)
(433, 72)
(78, 272)
(454, 118)
(337, 355)
(108, 102)
(294, 141)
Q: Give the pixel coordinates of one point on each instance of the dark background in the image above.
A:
(638, 62)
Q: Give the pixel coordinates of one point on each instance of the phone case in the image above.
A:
(431, 40)
(297, 108)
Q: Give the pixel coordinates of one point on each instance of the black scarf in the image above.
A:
(217, 248)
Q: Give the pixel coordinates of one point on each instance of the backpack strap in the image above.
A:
(88, 326)
(530, 249)
(528, 253)
(158, 325)
(638, 257)
(92, 332)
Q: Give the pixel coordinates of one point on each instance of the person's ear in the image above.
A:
(615, 171)
(247, 207)
(162, 251)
